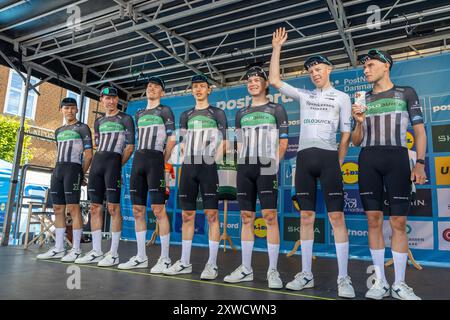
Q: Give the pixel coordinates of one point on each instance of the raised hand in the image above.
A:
(279, 37)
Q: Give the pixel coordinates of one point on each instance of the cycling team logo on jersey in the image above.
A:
(350, 172)
(409, 140)
(260, 228)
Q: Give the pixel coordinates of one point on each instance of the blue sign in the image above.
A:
(357, 232)
(199, 227)
(440, 108)
(428, 76)
(352, 202)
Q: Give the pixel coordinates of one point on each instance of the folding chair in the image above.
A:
(42, 217)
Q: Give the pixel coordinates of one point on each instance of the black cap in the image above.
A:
(256, 71)
(68, 102)
(317, 59)
(200, 78)
(108, 91)
(376, 54)
(158, 81)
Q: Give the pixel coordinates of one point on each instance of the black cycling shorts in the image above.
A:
(147, 175)
(194, 176)
(65, 183)
(252, 181)
(385, 168)
(313, 164)
(105, 177)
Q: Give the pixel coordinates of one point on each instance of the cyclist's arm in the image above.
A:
(239, 136)
(169, 123)
(222, 125)
(96, 133)
(127, 152)
(274, 69)
(357, 134)
(416, 118)
(87, 159)
(345, 117)
(129, 138)
(282, 148)
(358, 131)
(420, 137)
(183, 133)
(275, 78)
(343, 146)
(283, 130)
(171, 142)
(418, 173)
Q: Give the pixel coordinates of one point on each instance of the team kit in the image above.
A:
(377, 122)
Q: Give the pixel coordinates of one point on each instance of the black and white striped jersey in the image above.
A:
(259, 129)
(388, 116)
(154, 126)
(202, 130)
(114, 133)
(71, 141)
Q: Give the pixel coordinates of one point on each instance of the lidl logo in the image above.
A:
(409, 140)
(260, 228)
(442, 167)
(350, 172)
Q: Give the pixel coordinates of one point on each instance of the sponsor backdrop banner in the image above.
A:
(429, 223)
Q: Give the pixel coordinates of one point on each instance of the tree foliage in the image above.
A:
(9, 126)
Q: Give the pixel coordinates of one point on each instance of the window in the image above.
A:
(76, 96)
(16, 94)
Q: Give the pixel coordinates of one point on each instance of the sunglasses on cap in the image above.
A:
(200, 78)
(256, 71)
(315, 60)
(158, 81)
(377, 55)
(108, 91)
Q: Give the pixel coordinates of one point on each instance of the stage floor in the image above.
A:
(24, 277)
